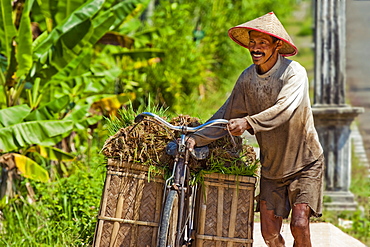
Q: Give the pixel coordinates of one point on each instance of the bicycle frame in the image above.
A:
(179, 182)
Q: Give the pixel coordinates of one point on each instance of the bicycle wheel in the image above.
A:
(168, 226)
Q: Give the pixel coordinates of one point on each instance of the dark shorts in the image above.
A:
(305, 186)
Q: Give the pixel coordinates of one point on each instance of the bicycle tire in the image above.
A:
(168, 225)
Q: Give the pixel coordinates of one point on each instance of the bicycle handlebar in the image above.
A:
(142, 115)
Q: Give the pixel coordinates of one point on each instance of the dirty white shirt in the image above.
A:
(277, 106)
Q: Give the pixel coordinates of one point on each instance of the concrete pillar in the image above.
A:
(333, 117)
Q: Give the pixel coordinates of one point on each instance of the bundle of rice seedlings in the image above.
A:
(145, 143)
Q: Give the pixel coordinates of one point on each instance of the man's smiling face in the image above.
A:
(261, 47)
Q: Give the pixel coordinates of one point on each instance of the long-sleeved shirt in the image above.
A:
(277, 106)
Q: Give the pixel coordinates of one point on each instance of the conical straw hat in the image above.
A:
(269, 24)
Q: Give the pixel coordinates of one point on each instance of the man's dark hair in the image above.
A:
(274, 39)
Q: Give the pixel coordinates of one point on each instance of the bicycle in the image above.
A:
(176, 224)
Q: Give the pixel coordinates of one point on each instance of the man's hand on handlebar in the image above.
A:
(237, 126)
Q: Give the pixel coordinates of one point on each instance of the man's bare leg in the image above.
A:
(270, 226)
(300, 225)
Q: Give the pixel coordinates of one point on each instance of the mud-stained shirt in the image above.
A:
(277, 106)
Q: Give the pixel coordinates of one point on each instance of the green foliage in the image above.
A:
(360, 184)
(16, 134)
(63, 73)
(60, 61)
(13, 115)
(306, 30)
(361, 225)
(246, 170)
(30, 169)
(126, 116)
(48, 84)
(64, 213)
(24, 134)
(194, 68)
(8, 31)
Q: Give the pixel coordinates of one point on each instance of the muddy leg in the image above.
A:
(300, 225)
(270, 226)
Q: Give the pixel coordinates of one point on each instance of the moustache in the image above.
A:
(257, 53)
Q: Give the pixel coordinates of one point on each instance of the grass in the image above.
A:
(63, 212)
(360, 184)
(125, 117)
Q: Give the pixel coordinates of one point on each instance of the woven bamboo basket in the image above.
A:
(130, 207)
(225, 209)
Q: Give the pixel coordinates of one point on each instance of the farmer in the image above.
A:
(270, 100)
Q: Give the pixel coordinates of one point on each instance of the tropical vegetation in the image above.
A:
(68, 66)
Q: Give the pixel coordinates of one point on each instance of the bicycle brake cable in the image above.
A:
(234, 149)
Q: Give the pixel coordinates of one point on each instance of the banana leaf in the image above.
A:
(3, 96)
(7, 27)
(76, 34)
(65, 8)
(68, 47)
(30, 169)
(81, 117)
(34, 132)
(24, 41)
(51, 153)
(103, 79)
(113, 18)
(49, 10)
(50, 110)
(78, 17)
(82, 61)
(101, 25)
(126, 10)
(14, 115)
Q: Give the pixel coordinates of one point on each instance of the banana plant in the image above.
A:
(61, 56)
(49, 81)
(19, 138)
(57, 62)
